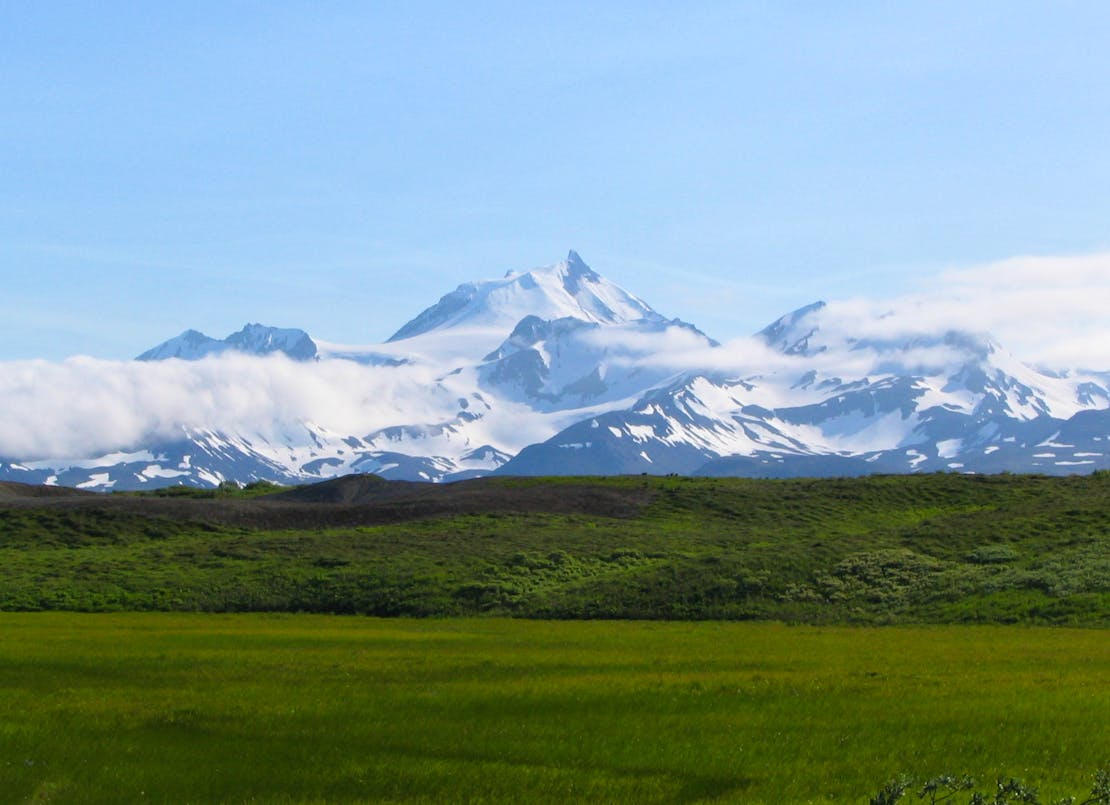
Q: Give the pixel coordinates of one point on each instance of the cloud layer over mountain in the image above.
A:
(478, 377)
(83, 406)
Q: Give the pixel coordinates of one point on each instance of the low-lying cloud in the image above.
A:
(83, 406)
(1048, 310)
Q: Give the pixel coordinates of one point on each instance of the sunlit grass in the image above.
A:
(234, 708)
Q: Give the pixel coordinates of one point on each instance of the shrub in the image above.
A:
(946, 788)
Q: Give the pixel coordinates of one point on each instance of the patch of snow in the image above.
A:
(97, 479)
(156, 471)
(105, 460)
(641, 433)
(210, 478)
(949, 448)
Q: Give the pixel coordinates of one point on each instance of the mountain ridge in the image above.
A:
(569, 288)
(252, 339)
(557, 370)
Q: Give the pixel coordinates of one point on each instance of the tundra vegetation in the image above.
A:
(896, 549)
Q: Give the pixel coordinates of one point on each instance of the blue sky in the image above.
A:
(339, 166)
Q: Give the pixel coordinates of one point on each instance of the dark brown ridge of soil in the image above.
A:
(358, 489)
(362, 500)
(13, 489)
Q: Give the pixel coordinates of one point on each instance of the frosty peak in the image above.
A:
(253, 339)
(792, 333)
(569, 288)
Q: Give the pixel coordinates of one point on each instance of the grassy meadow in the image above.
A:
(168, 707)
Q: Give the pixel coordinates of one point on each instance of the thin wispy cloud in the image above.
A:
(1048, 311)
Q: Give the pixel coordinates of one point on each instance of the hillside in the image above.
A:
(882, 549)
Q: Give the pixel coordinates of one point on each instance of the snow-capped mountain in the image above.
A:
(557, 370)
(841, 404)
(569, 363)
(253, 339)
(570, 289)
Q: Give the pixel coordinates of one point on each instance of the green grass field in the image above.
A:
(167, 707)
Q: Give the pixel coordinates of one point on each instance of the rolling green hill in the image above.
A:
(885, 549)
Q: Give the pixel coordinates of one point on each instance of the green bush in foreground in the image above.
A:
(227, 489)
(946, 788)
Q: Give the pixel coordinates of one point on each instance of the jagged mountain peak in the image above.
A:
(253, 339)
(569, 288)
(818, 328)
(259, 339)
(791, 333)
(571, 268)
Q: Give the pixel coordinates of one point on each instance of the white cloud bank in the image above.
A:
(83, 406)
(1047, 310)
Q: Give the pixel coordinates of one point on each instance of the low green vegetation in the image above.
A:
(936, 548)
(129, 707)
(226, 490)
